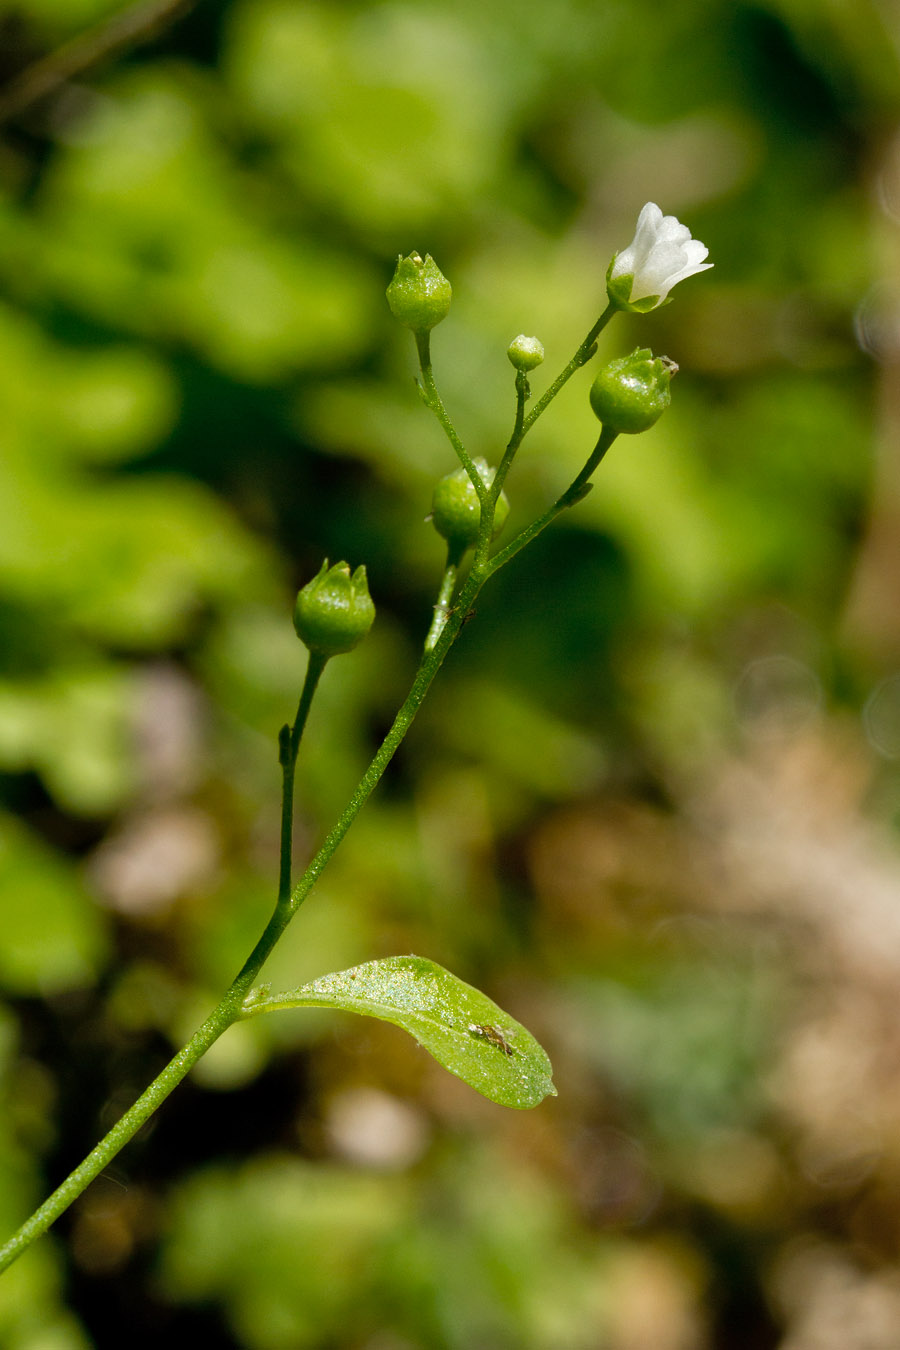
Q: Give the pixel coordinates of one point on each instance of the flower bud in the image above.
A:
(630, 394)
(525, 352)
(419, 294)
(456, 510)
(334, 611)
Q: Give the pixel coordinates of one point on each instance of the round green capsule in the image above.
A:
(334, 611)
(525, 353)
(630, 394)
(419, 294)
(456, 510)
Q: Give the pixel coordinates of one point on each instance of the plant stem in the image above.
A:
(429, 666)
(574, 493)
(124, 1129)
(581, 357)
(523, 393)
(288, 746)
(445, 595)
(436, 404)
(444, 631)
(218, 1021)
(229, 1009)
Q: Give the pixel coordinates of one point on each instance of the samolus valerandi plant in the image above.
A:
(460, 1026)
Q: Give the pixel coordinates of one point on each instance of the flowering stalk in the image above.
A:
(288, 747)
(455, 553)
(576, 492)
(334, 611)
(434, 401)
(581, 358)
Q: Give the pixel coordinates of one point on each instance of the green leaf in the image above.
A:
(460, 1026)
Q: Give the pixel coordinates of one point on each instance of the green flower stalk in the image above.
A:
(462, 1028)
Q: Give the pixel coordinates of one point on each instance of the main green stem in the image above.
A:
(441, 638)
(228, 1010)
(288, 746)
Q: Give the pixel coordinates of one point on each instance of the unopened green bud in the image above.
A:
(334, 611)
(525, 352)
(419, 294)
(456, 510)
(630, 394)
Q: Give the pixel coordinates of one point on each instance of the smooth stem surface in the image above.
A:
(218, 1021)
(523, 393)
(124, 1129)
(445, 595)
(574, 493)
(436, 404)
(430, 664)
(288, 746)
(581, 357)
(229, 1009)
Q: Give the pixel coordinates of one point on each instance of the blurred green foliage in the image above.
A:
(201, 396)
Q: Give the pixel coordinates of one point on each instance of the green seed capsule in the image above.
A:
(334, 611)
(456, 510)
(630, 394)
(419, 294)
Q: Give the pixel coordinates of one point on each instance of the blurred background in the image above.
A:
(652, 804)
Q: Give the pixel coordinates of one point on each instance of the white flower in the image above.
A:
(661, 254)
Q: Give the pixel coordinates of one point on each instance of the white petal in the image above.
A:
(688, 272)
(633, 258)
(647, 233)
(697, 252)
(661, 253)
(648, 222)
(671, 231)
(654, 278)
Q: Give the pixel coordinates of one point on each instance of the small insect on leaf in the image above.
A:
(461, 1027)
(492, 1034)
